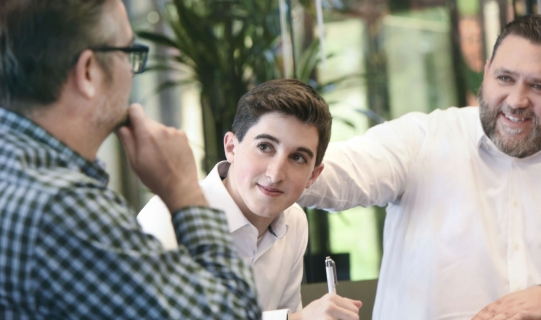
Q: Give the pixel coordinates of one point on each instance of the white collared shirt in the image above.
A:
(463, 225)
(277, 261)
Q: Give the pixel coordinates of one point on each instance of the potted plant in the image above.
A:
(228, 46)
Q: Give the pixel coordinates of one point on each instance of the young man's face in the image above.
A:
(271, 166)
(510, 99)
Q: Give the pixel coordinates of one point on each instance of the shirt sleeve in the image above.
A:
(368, 170)
(281, 314)
(155, 219)
(93, 261)
(291, 296)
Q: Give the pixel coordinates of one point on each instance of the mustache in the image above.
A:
(528, 113)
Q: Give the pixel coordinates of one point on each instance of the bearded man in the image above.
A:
(462, 187)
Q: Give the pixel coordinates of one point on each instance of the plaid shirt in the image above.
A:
(71, 249)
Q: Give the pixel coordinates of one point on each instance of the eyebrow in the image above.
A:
(516, 74)
(506, 71)
(273, 139)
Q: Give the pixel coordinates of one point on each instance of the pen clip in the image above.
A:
(329, 263)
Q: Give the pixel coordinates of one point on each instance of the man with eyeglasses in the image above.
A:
(70, 247)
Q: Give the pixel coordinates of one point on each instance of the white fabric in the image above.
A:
(276, 314)
(463, 225)
(278, 260)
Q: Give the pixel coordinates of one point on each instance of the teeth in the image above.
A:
(513, 119)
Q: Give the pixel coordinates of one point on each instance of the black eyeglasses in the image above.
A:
(138, 54)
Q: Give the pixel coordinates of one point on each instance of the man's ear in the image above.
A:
(315, 173)
(487, 65)
(230, 142)
(86, 74)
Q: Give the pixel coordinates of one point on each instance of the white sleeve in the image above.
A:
(155, 219)
(291, 296)
(276, 314)
(368, 170)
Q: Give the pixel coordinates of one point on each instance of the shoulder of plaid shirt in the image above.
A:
(71, 248)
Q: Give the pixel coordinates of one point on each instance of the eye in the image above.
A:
(505, 78)
(298, 158)
(265, 147)
(536, 86)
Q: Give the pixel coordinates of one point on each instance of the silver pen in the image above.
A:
(330, 268)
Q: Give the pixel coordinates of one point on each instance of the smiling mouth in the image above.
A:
(270, 191)
(515, 119)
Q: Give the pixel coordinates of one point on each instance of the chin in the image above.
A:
(265, 212)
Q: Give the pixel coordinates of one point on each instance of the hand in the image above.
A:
(330, 306)
(520, 305)
(163, 160)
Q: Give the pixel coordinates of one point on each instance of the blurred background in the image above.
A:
(378, 59)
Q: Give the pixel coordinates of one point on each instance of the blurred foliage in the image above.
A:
(227, 47)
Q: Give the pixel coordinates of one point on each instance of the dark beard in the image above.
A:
(521, 149)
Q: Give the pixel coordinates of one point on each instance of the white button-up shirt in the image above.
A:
(277, 260)
(463, 225)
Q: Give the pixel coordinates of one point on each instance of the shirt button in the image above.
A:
(516, 246)
(515, 203)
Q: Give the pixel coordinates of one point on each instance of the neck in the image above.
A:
(73, 129)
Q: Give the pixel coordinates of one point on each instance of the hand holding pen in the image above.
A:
(331, 305)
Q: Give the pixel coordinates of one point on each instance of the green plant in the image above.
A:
(227, 46)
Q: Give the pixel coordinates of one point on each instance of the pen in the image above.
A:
(330, 268)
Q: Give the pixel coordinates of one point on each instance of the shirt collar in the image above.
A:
(278, 227)
(218, 197)
(480, 137)
(24, 127)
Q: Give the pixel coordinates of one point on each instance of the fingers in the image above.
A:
(127, 134)
(345, 303)
(127, 140)
(357, 303)
(333, 306)
(162, 158)
(137, 116)
(519, 305)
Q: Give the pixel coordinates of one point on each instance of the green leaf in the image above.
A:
(345, 121)
(167, 85)
(157, 38)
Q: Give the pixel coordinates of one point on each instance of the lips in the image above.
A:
(515, 118)
(269, 191)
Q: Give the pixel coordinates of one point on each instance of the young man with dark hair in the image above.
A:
(462, 190)
(70, 247)
(279, 136)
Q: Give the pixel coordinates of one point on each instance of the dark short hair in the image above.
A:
(40, 42)
(528, 27)
(288, 97)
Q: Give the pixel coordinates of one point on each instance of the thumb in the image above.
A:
(137, 116)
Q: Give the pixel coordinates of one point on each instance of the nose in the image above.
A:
(277, 169)
(518, 98)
